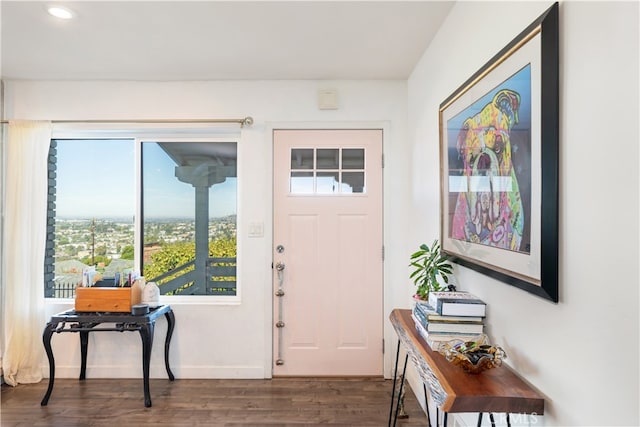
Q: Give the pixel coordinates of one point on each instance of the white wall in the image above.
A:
(2, 181)
(227, 340)
(582, 353)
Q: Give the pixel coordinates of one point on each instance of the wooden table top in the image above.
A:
(498, 390)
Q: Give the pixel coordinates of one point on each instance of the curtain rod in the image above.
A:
(247, 121)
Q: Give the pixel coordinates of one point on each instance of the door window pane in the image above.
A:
(353, 182)
(328, 183)
(302, 158)
(353, 158)
(301, 183)
(327, 158)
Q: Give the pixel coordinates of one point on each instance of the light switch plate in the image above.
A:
(256, 229)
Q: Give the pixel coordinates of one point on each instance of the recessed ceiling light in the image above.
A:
(60, 12)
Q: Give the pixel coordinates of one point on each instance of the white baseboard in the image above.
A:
(182, 372)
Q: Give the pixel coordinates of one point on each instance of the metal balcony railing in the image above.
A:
(219, 278)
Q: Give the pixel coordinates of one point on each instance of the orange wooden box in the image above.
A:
(107, 299)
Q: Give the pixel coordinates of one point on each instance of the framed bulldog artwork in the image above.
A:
(499, 164)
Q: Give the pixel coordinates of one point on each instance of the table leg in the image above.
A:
(404, 371)
(46, 340)
(170, 325)
(146, 333)
(393, 390)
(426, 403)
(84, 342)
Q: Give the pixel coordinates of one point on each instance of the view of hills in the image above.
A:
(108, 243)
(80, 238)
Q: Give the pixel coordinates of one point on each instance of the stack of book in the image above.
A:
(448, 316)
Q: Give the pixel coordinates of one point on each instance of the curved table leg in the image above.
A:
(46, 340)
(171, 320)
(84, 342)
(146, 333)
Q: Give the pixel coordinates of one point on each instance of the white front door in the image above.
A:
(328, 253)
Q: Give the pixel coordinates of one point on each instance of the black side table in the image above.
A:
(85, 322)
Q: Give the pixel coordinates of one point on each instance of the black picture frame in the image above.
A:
(499, 164)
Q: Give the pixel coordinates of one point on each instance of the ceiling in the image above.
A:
(217, 40)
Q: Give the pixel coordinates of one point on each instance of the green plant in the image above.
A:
(429, 265)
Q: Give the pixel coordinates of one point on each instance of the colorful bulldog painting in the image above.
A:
(490, 211)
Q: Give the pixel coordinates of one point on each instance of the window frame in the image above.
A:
(316, 170)
(167, 133)
(139, 226)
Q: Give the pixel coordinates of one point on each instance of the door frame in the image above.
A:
(268, 285)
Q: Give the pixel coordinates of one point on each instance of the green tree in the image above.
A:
(97, 260)
(173, 255)
(223, 248)
(127, 252)
(168, 258)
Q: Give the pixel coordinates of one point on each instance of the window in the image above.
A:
(189, 216)
(327, 171)
(91, 212)
(187, 209)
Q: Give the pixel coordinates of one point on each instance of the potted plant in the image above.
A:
(431, 270)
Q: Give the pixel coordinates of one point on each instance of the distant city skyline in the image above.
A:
(96, 179)
(130, 219)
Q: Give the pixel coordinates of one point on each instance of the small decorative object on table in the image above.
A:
(151, 294)
(473, 356)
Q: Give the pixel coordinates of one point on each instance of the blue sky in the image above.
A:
(96, 178)
(165, 196)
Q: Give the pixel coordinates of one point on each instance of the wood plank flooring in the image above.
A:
(275, 402)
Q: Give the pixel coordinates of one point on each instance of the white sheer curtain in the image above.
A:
(25, 207)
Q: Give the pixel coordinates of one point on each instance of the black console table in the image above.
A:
(85, 322)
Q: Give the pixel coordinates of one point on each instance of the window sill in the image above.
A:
(171, 300)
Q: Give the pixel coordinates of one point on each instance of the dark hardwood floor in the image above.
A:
(276, 402)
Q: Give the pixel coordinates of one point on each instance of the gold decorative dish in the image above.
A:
(473, 356)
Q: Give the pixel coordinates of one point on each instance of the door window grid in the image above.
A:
(327, 171)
